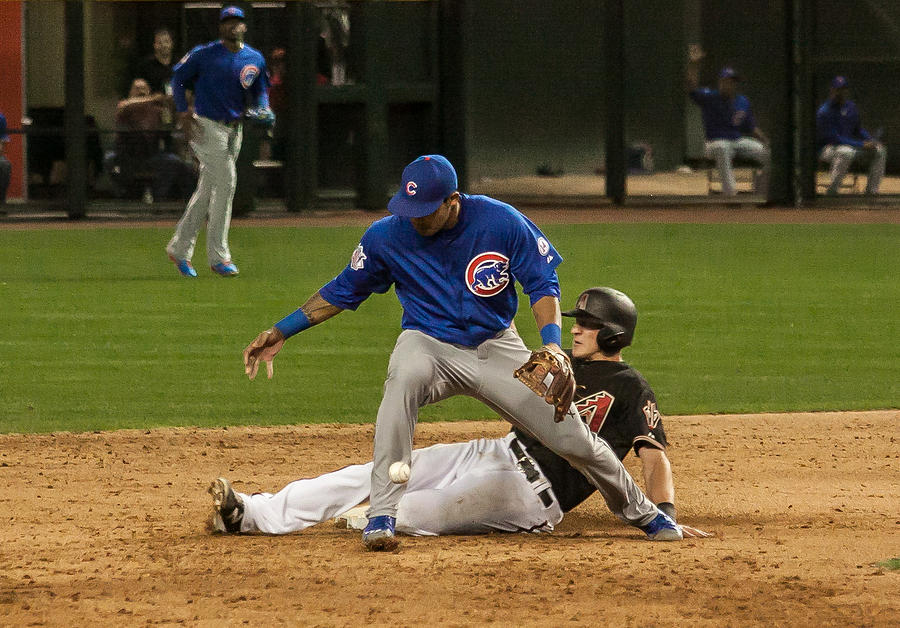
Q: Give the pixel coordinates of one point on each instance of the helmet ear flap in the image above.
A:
(613, 343)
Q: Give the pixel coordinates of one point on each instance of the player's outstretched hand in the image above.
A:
(696, 533)
(263, 349)
(695, 53)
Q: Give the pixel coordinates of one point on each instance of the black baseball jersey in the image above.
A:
(617, 403)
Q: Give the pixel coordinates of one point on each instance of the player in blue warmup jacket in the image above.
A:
(731, 129)
(5, 165)
(227, 78)
(453, 260)
(841, 139)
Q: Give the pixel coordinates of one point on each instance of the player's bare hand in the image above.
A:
(694, 533)
(186, 124)
(695, 53)
(264, 348)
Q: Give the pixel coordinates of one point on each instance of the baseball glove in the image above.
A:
(260, 116)
(560, 392)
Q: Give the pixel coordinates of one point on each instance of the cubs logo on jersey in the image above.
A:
(248, 75)
(487, 274)
(411, 188)
(358, 259)
(594, 409)
(651, 414)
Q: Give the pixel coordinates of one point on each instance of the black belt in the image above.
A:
(234, 123)
(531, 473)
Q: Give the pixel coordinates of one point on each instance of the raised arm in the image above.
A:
(692, 72)
(268, 343)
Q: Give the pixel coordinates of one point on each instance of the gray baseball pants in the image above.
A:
(424, 370)
(216, 146)
(724, 152)
(841, 156)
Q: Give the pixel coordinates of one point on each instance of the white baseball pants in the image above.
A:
(724, 152)
(216, 146)
(461, 488)
(840, 156)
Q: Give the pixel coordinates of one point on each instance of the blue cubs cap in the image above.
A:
(426, 182)
(4, 136)
(231, 12)
(729, 72)
(838, 82)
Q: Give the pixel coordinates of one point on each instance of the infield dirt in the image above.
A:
(109, 528)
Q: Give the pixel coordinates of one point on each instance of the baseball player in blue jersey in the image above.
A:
(5, 165)
(224, 75)
(453, 260)
(841, 139)
(729, 124)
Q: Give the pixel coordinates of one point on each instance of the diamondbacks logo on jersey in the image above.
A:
(248, 75)
(595, 409)
(487, 274)
(358, 259)
(651, 414)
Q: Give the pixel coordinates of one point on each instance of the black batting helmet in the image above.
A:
(611, 312)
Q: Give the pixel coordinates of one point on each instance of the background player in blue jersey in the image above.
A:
(5, 165)
(453, 260)
(509, 484)
(731, 129)
(227, 77)
(841, 139)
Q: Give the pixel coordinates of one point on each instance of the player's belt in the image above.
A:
(528, 466)
(232, 123)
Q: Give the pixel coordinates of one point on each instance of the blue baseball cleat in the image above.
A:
(225, 269)
(184, 266)
(662, 528)
(379, 534)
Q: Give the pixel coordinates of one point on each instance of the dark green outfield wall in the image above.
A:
(533, 76)
(533, 80)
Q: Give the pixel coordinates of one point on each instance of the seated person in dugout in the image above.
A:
(509, 484)
(731, 129)
(841, 139)
(141, 157)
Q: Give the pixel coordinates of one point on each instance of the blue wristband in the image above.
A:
(551, 332)
(293, 323)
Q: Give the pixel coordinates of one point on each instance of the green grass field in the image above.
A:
(99, 332)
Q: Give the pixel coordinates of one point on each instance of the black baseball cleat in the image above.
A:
(228, 509)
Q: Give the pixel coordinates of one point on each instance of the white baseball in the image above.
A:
(399, 472)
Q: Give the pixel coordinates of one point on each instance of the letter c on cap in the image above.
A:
(411, 188)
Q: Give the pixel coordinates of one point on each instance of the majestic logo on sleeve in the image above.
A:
(595, 409)
(248, 75)
(487, 274)
(358, 259)
(651, 414)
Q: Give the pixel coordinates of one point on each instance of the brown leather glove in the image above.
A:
(560, 392)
